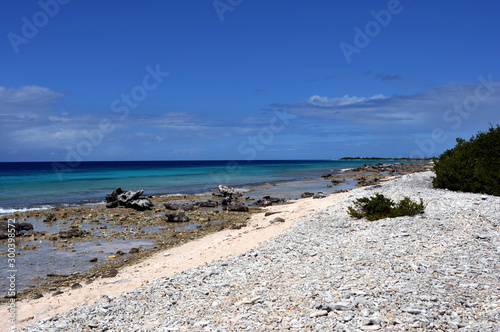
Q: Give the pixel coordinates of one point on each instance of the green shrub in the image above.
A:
(471, 166)
(379, 207)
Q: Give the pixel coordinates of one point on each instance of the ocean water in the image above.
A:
(35, 185)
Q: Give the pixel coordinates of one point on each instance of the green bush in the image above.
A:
(471, 166)
(379, 207)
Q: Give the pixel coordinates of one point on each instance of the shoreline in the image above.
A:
(101, 228)
(153, 254)
(189, 255)
(93, 201)
(434, 271)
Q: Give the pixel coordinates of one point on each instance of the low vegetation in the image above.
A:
(471, 166)
(379, 207)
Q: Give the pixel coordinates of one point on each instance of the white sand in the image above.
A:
(193, 254)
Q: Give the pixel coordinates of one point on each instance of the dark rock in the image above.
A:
(113, 204)
(277, 219)
(18, 228)
(262, 203)
(237, 206)
(128, 196)
(119, 253)
(76, 286)
(69, 233)
(337, 181)
(238, 225)
(186, 205)
(274, 199)
(133, 251)
(128, 199)
(50, 218)
(224, 191)
(37, 296)
(226, 201)
(319, 194)
(57, 275)
(270, 213)
(57, 293)
(93, 260)
(110, 274)
(306, 195)
(172, 217)
(140, 204)
(208, 203)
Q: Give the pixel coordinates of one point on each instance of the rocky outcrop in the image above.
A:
(319, 194)
(393, 169)
(267, 201)
(179, 217)
(234, 205)
(183, 204)
(69, 233)
(224, 191)
(18, 228)
(128, 198)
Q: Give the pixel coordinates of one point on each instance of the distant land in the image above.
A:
(380, 158)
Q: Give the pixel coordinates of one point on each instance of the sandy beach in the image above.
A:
(318, 270)
(192, 254)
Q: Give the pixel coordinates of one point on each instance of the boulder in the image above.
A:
(237, 206)
(127, 198)
(140, 204)
(172, 217)
(319, 194)
(224, 191)
(262, 203)
(306, 195)
(208, 203)
(69, 233)
(18, 228)
(186, 205)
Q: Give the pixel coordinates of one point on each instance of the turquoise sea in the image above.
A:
(34, 185)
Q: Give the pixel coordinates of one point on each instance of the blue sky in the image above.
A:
(237, 79)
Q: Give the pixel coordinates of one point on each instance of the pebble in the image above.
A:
(329, 272)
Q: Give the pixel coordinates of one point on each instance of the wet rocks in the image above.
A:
(267, 201)
(186, 205)
(179, 217)
(316, 195)
(225, 191)
(18, 228)
(110, 273)
(208, 204)
(74, 231)
(236, 206)
(128, 198)
(319, 194)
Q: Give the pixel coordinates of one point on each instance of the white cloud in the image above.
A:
(28, 94)
(420, 109)
(341, 101)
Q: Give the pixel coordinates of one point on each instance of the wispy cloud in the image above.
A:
(419, 109)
